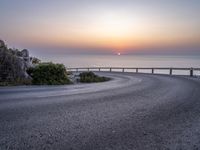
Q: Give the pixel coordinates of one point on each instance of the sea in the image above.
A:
(84, 60)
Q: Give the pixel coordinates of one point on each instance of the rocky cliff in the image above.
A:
(13, 64)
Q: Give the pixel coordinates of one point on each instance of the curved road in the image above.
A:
(132, 111)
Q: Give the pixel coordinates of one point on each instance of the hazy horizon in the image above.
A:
(102, 27)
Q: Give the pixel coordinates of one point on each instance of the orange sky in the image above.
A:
(113, 25)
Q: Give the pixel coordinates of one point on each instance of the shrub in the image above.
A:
(49, 74)
(89, 77)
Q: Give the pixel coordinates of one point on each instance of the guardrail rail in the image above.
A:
(137, 69)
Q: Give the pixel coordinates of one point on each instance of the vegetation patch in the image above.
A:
(89, 77)
(17, 81)
(49, 74)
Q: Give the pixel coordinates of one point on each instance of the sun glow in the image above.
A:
(115, 25)
(114, 30)
(119, 30)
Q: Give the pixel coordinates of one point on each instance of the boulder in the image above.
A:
(25, 53)
(13, 64)
(2, 44)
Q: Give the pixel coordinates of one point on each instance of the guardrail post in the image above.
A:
(99, 69)
(191, 72)
(170, 71)
(136, 70)
(88, 69)
(76, 69)
(110, 69)
(152, 71)
(122, 69)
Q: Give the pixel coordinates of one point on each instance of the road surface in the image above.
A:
(130, 112)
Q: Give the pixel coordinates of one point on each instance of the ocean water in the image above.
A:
(128, 61)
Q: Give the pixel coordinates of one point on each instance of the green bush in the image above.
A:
(49, 74)
(89, 77)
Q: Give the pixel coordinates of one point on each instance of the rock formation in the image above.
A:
(13, 64)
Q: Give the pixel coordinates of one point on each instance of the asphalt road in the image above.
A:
(132, 111)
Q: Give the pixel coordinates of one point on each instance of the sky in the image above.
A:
(102, 26)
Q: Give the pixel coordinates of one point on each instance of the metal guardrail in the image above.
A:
(137, 69)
